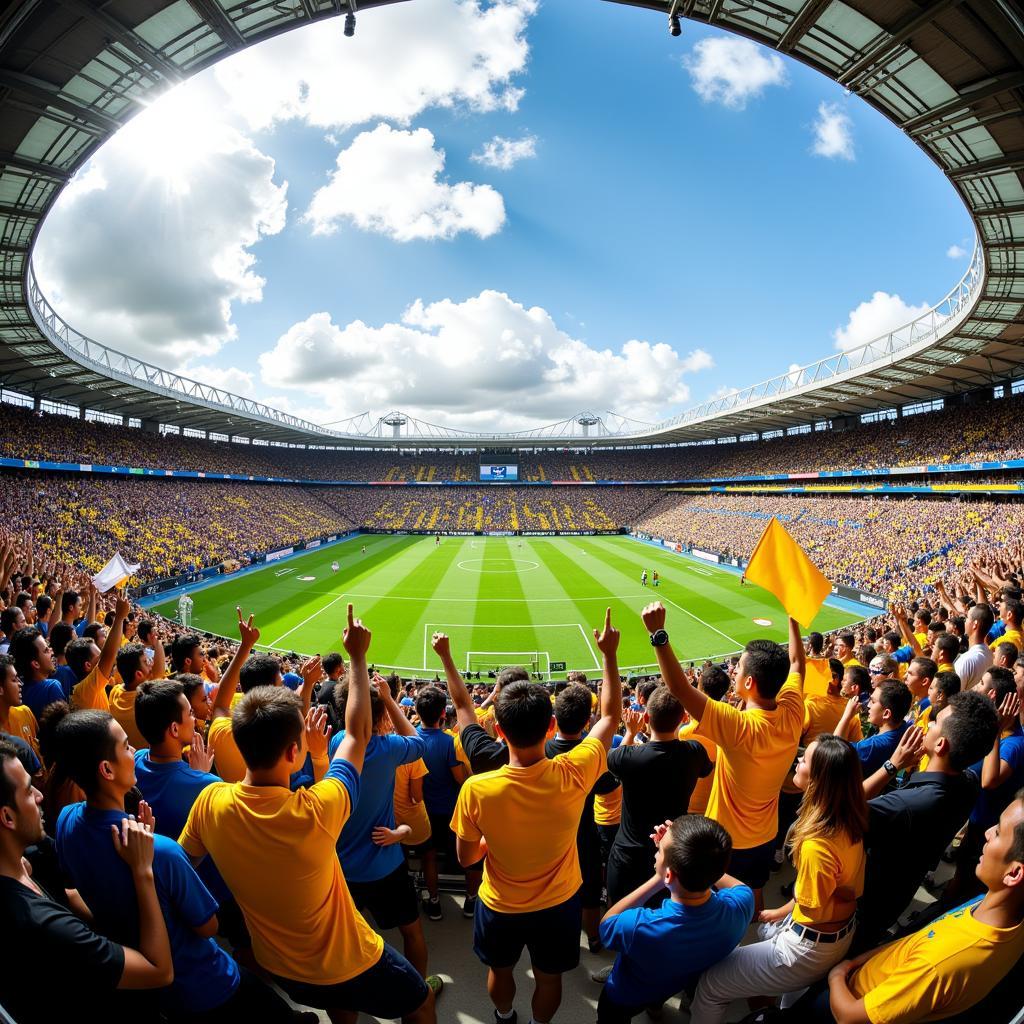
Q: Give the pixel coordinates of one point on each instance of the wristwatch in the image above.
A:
(659, 638)
(890, 768)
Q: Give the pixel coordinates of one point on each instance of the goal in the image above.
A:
(495, 661)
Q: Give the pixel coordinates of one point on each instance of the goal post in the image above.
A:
(495, 661)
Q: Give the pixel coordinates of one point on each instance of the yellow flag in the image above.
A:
(780, 565)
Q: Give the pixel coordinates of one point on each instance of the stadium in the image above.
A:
(896, 465)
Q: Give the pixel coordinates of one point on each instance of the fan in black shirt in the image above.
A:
(657, 780)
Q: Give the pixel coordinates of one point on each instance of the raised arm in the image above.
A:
(159, 669)
(464, 711)
(90, 611)
(994, 770)
(108, 656)
(797, 651)
(358, 719)
(611, 683)
(229, 682)
(905, 631)
(672, 673)
(312, 672)
(401, 724)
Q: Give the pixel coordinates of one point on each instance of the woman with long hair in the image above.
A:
(803, 940)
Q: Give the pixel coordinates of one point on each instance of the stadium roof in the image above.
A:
(949, 73)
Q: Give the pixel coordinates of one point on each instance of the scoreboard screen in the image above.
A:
(493, 472)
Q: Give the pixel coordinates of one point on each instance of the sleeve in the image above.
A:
(418, 769)
(912, 992)
(91, 957)
(702, 764)
(334, 796)
(464, 823)
(484, 753)
(607, 783)
(185, 891)
(91, 692)
(722, 724)
(816, 875)
(619, 759)
(191, 840)
(904, 655)
(406, 749)
(742, 898)
(619, 931)
(865, 750)
(588, 760)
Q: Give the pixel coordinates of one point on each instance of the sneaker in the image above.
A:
(514, 1019)
(469, 907)
(432, 908)
(435, 983)
(601, 976)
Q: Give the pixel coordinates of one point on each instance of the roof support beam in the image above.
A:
(21, 163)
(212, 13)
(1006, 162)
(49, 95)
(802, 24)
(968, 100)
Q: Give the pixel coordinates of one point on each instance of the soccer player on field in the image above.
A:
(524, 817)
(757, 745)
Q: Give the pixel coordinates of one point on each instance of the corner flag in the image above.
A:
(782, 567)
(115, 572)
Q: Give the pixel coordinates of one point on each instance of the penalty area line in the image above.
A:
(319, 611)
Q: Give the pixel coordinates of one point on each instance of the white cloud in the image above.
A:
(874, 318)
(833, 133)
(402, 60)
(389, 181)
(229, 378)
(486, 361)
(956, 252)
(504, 153)
(150, 245)
(732, 71)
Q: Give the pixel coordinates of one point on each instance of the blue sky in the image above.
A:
(667, 232)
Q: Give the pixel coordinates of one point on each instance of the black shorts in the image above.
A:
(442, 838)
(610, 1012)
(753, 866)
(607, 834)
(629, 867)
(391, 988)
(552, 936)
(589, 849)
(391, 899)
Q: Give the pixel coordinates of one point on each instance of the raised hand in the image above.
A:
(910, 748)
(317, 731)
(312, 669)
(1009, 712)
(247, 631)
(608, 638)
(383, 687)
(123, 605)
(653, 617)
(199, 757)
(659, 832)
(356, 637)
(441, 645)
(146, 817)
(634, 721)
(134, 845)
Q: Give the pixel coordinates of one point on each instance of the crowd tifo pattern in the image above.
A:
(214, 826)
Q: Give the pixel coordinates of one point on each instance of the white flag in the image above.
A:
(116, 571)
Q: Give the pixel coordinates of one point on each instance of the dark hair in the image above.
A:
(43, 604)
(145, 627)
(926, 665)
(512, 674)
(157, 708)
(190, 682)
(82, 740)
(847, 638)
(92, 632)
(430, 705)
(948, 644)
(664, 711)
(60, 635)
(23, 650)
(339, 695)
(816, 642)
(576, 676)
(836, 669)
(768, 665)
(394, 685)
(714, 681)
(68, 601)
(129, 661)
(182, 647)
(258, 670)
(77, 654)
(859, 677)
(1013, 610)
(8, 617)
(646, 688)
(983, 615)
(924, 615)
(1017, 846)
(1002, 682)
(1008, 650)
(572, 709)
(8, 752)
(265, 723)
(896, 697)
(698, 851)
(969, 727)
(524, 713)
(331, 661)
(947, 683)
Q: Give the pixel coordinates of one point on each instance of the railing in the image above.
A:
(916, 335)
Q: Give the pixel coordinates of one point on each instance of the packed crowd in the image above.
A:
(976, 433)
(191, 832)
(893, 547)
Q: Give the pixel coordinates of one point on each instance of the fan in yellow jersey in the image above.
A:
(524, 817)
(757, 746)
(305, 929)
(15, 718)
(135, 666)
(952, 963)
(92, 667)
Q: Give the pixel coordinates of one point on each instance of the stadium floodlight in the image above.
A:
(350, 24)
(674, 28)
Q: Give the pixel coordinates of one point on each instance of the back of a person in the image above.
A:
(122, 707)
(702, 788)
(170, 788)
(227, 759)
(747, 780)
(276, 851)
(439, 787)
(821, 714)
(587, 827)
(407, 810)
(530, 817)
(837, 859)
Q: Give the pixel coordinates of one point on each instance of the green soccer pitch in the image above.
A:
(502, 600)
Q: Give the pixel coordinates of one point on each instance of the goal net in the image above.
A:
(495, 661)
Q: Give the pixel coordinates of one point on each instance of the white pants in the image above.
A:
(782, 964)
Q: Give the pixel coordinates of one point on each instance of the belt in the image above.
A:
(811, 935)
